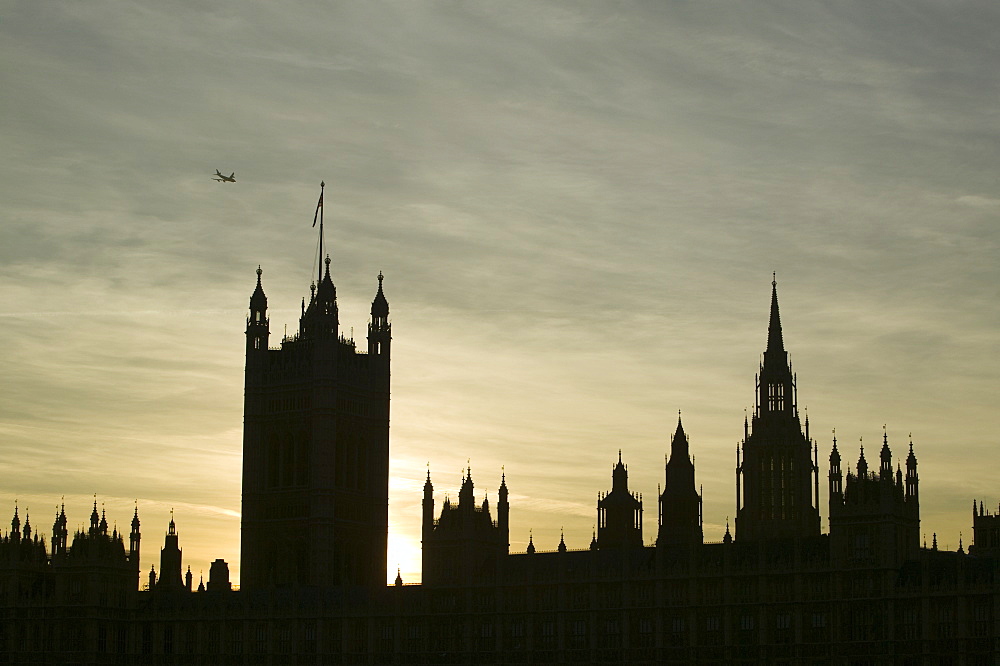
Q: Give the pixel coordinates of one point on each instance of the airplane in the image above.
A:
(231, 178)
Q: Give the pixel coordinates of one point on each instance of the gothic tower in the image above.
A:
(619, 513)
(315, 448)
(170, 560)
(778, 474)
(465, 545)
(134, 538)
(874, 516)
(680, 503)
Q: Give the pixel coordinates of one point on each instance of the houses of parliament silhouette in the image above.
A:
(315, 524)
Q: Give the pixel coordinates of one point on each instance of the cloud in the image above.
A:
(577, 211)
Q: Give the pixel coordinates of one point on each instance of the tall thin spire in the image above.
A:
(774, 339)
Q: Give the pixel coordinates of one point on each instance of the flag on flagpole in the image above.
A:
(319, 206)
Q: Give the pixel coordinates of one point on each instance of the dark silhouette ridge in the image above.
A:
(314, 525)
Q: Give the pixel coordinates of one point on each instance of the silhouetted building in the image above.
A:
(680, 502)
(315, 447)
(619, 513)
(315, 486)
(465, 543)
(778, 475)
(874, 517)
(986, 532)
(170, 561)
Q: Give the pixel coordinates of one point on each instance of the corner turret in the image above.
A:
(379, 329)
(257, 322)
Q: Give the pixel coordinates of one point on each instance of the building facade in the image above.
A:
(315, 447)
(316, 468)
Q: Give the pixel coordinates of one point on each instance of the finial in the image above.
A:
(380, 279)
(327, 261)
(322, 184)
(774, 278)
(259, 271)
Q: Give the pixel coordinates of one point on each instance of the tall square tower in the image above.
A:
(315, 448)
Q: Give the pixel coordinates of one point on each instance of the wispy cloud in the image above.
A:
(577, 210)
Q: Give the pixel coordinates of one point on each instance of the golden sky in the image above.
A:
(577, 208)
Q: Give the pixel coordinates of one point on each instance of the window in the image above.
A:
(775, 397)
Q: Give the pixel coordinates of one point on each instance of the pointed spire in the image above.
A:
(95, 519)
(399, 578)
(562, 540)
(679, 450)
(774, 339)
(380, 306)
(531, 543)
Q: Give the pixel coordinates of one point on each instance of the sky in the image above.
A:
(577, 207)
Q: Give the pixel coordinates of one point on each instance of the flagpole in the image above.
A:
(319, 265)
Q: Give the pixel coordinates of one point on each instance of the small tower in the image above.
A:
(218, 577)
(912, 481)
(15, 526)
(885, 459)
(170, 560)
(257, 321)
(985, 532)
(95, 521)
(680, 503)
(428, 520)
(873, 521)
(379, 329)
(322, 319)
(619, 513)
(133, 541)
(464, 545)
(836, 475)
(503, 514)
(60, 534)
